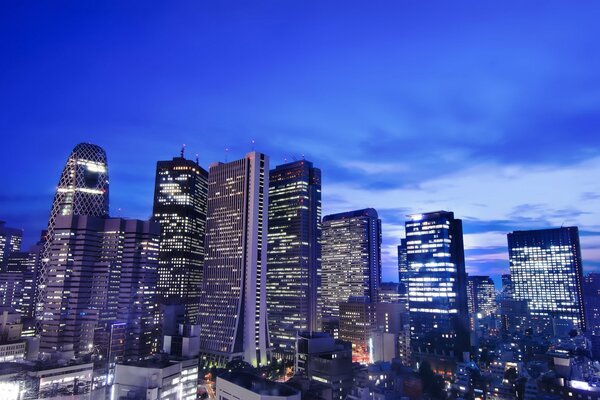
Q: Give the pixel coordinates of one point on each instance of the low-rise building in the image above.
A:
(239, 385)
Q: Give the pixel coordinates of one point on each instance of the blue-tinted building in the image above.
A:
(546, 271)
(437, 290)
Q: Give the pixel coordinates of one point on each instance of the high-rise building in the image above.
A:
(18, 281)
(507, 287)
(351, 260)
(102, 272)
(389, 292)
(546, 271)
(294, 253)
(437, 284)
(233, 309)
(10, 241)
(82, 190)
(403, 270)
(481, 295)
(180, 206)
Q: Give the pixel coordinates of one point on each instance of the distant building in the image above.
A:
(18, 281)
(294, 253)
(546, 271)
(186, 343)
(180, 206)
(403, 270)
(389, 292)
(481, 295)
(10, 241)
(351, 264)
(12, 347)
(233, 308)
(591, 301)
(324, 363)
(357, 324)
(437, 294)
(245, 386)
(108, 278)
(152, 380)
(507, 287)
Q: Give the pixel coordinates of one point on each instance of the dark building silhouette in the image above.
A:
(180, 192)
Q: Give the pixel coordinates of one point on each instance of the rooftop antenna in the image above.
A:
(253, 143)
(197, 159)
(182, 150)
(303, 157)
(226, 153)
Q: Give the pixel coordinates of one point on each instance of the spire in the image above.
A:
(182, 150)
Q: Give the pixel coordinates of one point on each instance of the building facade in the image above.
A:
(180, 207)
(82, 190)
(351, 260)
(102, 272)
(233, 309)
(546, 271)
(481, 295)
(10, 241)
(294, 253)
(437, 295)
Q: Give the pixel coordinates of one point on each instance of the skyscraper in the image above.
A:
(481, 295)
(294, 253)
(82, 190)
(546, 271)
(437, 284)
(180, 206)
(101, 272)
(351, 260)
(233, 310)
(403, 270)
(18, 281)
(10, 241)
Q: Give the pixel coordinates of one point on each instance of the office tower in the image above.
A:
(82, 190)
(546, 271)
(18, 282)
(10, 241)
(437, 294)
(481, 295)
(403, 270)
(180, 206)
(351, 260)
(102, 273)
(357, 324)
(324, 362)
(233, 310)
(591, 301)
(294, 253)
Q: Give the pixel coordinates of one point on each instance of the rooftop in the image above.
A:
(257, 384)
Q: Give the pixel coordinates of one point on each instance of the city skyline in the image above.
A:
(461, 124)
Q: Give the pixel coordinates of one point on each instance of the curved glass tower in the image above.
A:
(82, 190)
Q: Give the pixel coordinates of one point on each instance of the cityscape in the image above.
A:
(300, 202)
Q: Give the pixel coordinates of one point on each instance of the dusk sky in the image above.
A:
(487, 109)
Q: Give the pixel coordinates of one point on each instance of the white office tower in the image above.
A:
(233, 311)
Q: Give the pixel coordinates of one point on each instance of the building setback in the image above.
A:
(546, 271)
(294, 253)
(351, 260)
(180, 206)
(102, 273)
(437, 285)
(233, 310)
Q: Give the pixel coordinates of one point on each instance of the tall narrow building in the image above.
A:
(233, 309)
(437, 284)
(351, 260)
(481, 295)
(294, 253)
(546, 271)
(82, 190)
(402, 271)
(180, 206)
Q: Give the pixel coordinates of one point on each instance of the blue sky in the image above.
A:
(488, 109)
